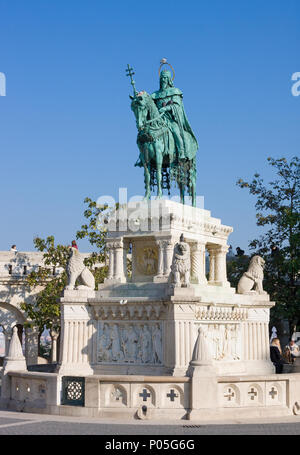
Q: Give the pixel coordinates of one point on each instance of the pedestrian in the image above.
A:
(276, 355)
(74, 244)
(291, 351)
(13, 248)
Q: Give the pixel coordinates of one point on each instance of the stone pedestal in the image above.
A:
(143, 325)
(194, 350)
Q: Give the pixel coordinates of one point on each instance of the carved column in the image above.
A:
(31, 345)
(54, 337)
(133, 260)
(212, 260)
(198, 263)
(110, 248)
(160, 261)
(125, 251)
(119, 261)
(169, 246)
(220, 266)
(7, 334)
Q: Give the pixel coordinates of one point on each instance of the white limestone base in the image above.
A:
(193, 399)
(154, 333)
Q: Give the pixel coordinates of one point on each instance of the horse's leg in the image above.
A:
(181, 193)
(147, 179)
(194, 194)
(193, 182)
(158, 157)
(147, 182)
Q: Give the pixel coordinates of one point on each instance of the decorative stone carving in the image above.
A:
(202, 351)
(110, 248)
(160, 260)
(130, 343)
(129, 311)
(157, 344)
(251, 281)
(145, 344)
(198, 263)
(147, 261)
(118, 394)
(76, 270)
(216, 313)
(168, 253)
(181, 264)
(222, 341)
(15, 352)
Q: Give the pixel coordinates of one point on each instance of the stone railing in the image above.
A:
(20, 263)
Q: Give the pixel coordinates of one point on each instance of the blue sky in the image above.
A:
(67, 130)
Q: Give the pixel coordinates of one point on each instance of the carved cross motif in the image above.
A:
(145, 395)
(253, 393)
(117, 394)
(230, 394)
(172, 395)
(273, 393)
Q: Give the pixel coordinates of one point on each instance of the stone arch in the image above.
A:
(274, 392)
(150, 401)
(117, 395)
(254, 394)
(231, 395)
(169, 396)
(10, 316)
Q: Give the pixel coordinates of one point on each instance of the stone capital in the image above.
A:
(197, 247)
(222, 249)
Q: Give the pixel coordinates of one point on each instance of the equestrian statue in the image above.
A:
(165, 138)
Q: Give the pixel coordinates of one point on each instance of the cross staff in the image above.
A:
(130, 73)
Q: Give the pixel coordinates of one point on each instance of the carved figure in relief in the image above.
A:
(252, 280)
(181, 263)
(224, 341)
(130, 344)
(76, 270)
(104, 350)
(147, 261)
(157, 344)
(145, 344)
(235, 342)
(116, 351)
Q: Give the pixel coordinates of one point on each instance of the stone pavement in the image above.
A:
(14, 423)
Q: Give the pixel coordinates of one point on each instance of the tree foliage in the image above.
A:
(278, 211)
(52, 277)
(235, 269)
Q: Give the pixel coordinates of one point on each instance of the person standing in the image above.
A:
(291, 351)
(276, 355)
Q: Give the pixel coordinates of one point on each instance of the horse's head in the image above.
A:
(140, 106)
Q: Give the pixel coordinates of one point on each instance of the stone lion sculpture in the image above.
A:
(181, 264)
(251, 281)
(76, 270)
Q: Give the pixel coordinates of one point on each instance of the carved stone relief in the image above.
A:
(138, 343)
(147, 259)
(223, 341)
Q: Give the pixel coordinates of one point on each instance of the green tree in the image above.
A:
(278, 211)
(44, 311)
(235, 269)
